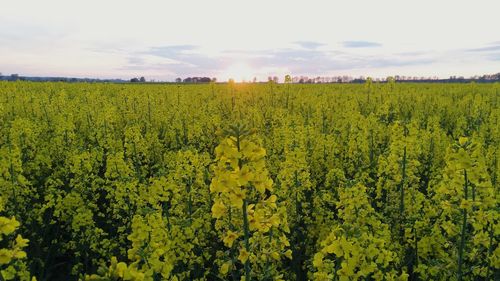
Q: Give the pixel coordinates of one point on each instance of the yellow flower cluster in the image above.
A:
(117, 271)
(12, 266)
(464, 216)
(358, 246)
(382, 181)
(247, 213)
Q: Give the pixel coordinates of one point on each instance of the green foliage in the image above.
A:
(325, 181)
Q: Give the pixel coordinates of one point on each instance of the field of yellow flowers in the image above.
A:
(249, 181)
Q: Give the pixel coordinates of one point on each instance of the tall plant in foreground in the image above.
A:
(249, 220)
(460, 243)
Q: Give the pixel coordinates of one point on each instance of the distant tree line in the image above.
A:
(196, 80)
(138, 80)
(397, 78)
(296, 79)
(17, 77)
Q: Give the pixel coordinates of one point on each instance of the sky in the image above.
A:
(163, 39)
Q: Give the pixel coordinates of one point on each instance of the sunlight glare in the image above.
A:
(240, 72)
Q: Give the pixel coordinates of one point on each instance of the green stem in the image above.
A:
(166, 211)
(266, 275)
(490, 251)
(233, 256)
(246, 237)
(149, 110)
(190, 203)
(246, 228)
(462, 236)
(297, 259)
(416, 246)
(12, 176)
(136, 164)
(402, 198)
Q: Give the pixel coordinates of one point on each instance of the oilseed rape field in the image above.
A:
(249, 181)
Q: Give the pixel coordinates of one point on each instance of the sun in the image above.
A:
(240, 72)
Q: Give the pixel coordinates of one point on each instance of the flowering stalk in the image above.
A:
(242, 185)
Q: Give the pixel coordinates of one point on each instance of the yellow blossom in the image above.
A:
(218, 210)
(5, 256)
(21, 242)
(275, 255)
(318, 260)
(229, 238)
(224, 269)
(7, 226)
(243, 256)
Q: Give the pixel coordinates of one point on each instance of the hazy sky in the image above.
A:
(242, 39)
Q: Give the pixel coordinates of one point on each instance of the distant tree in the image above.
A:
(134, 80)
(254, 80)
(142, 79)
(275, 79)
(178, 80)
(214, 79)
(288, 79)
